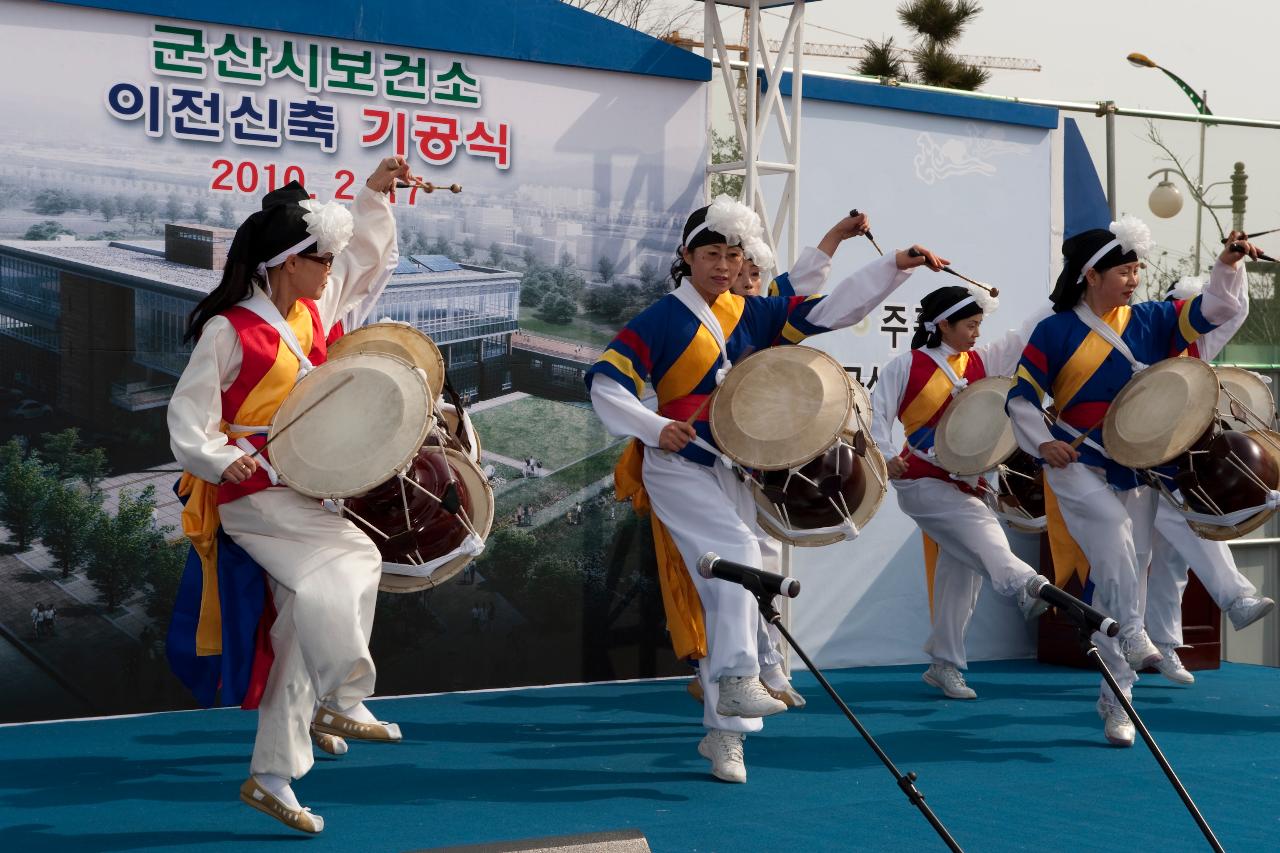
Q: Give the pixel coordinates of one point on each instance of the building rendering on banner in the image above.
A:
(95, 328)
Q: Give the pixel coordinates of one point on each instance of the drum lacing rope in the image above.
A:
(847, 529)
(1270, 503)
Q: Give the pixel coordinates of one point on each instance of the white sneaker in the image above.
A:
(1139, 651)
(724, 751)
(745, 696)
(1247, 609)
(1117, 725)
(1171, 667)
(948, 679)
(1032, 606)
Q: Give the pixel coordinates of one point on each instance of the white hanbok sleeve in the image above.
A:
(855, 297)
(1000, 357)
(195, 410)
(886, 399)
(1029, 427)
(1226, 293)
(1211, 343)
(361, 271)
(810, 271)
(622, 414)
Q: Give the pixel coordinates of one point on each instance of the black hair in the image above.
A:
(935, 303)
(1076, 252)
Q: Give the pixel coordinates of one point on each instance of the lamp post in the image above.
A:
(1165, 201)
(1200, 101)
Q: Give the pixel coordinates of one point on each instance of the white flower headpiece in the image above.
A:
(759, 252)
(330, 223)
(988, 303)
(1185, 288)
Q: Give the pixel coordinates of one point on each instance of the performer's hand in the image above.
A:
(852, 226)
(385, 174)
(919, 256)
(1238, 238)
(240, 470)
(897, 467)
(1058, 454)
(675, 436)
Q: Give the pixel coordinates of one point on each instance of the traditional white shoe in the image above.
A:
(1031, 606)
(694, 688)
(724, 751)
(949, 680)
(1247, 609)
(788, 696)
(258, 797)
(329, 722)
(1171, 667)
(331, 744)
(1139, 651)
(1116, 723)
(745, 696)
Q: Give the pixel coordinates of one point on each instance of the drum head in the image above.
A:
(1161, 412)
(974, 433)
(1269, 440)
(371, 426)
(399, 339)
(451, 418)
(479, 513)
(781, 407)
(1252, 392)
(876, 476)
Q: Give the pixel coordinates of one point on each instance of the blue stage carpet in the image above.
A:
(1023, 768)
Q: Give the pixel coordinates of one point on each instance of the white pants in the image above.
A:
(1114, 530)
(324, 575)
(709, 509)
(971, 543)
(768, 638)
(1174, 547)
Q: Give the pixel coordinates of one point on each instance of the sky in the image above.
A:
(1081, 48)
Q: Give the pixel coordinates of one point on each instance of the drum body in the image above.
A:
(396, 339)
(830, 497)
(1244, 400)
(1020, 500)
(1229, 472)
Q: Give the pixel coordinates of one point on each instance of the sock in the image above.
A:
(359, 713)
(774, 678)
(279, 788)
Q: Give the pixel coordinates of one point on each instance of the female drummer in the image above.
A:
(916, 388)
(1082, 355)
(293, 268)
(1175, 544)
(684, 344)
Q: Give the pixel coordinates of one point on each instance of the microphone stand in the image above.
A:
(906, 781)
(1085, 633)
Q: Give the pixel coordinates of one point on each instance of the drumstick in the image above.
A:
(1079, 439)
(994, 291)
(1239, 247)
(427, 186)
(867, 233)
(1255, 234)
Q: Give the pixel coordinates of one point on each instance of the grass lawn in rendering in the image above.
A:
(555, 433)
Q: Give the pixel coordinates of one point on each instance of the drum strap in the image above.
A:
(1075, 433)
(266, 309)
(691, 299)
(1231, 519)
(958, 383)
(1108, 334)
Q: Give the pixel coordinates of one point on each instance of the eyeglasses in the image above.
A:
(319, 259)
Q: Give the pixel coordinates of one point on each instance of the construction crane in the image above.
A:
(1002, 63)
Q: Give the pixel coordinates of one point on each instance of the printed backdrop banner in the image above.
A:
(965, 181)
(132, 145)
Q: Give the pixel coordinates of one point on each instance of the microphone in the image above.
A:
(710, 565)
(1095, 619)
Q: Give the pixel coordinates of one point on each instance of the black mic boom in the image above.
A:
(1095, 619)
(710, 565)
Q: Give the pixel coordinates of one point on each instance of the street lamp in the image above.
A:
(1139, 60)
(1165, 201)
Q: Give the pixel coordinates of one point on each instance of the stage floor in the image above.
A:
(1023, 768)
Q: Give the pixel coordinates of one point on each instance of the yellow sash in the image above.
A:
(1087, 358)
(933, 396)
(700, 355)
(930, 566)
(200, 519)
(679, 596)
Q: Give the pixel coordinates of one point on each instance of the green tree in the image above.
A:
(938, 24)
(200, 210)
(468, 248)
(495, 254)
(606, 267)
(884, 59)
(653, 284)
(108, 208)
(507, 554)
(566, 259)
(68, 518)
(90, 467)
(46, 230)
(145, 207)
(60, 451)
(529, 257)
(121, 547)
(441, 247)
(226, 214)
(163, 575)
(173, 208)
(52, 202)
(557, 308)
(24, 488)
(726, 149)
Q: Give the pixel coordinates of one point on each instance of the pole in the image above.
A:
(1204, 98)
(1110, 112)
(1238, 180)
